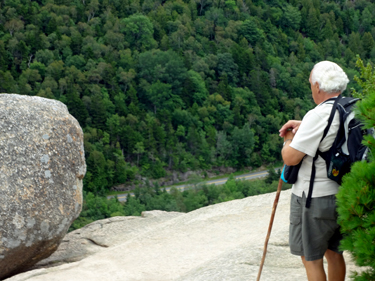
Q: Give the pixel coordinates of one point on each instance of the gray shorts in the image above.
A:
(313, 230)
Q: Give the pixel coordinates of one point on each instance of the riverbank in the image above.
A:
(259, 173)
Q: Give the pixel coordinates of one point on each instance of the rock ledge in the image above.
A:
(218, 242)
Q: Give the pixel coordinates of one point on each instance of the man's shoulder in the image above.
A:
(322, 110)
(316, 118)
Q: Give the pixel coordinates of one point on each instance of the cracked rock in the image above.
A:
(41, 169)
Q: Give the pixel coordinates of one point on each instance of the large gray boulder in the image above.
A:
(42, 165)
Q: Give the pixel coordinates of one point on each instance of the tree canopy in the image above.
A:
(177, 85)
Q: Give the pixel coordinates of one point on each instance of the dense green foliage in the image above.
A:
(177, 84)
(356, 197)
(152, 197)
(161, 86)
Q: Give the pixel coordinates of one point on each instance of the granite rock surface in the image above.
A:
(216, 243)
(42, 165)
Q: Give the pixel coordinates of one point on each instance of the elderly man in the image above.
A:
(313, 231)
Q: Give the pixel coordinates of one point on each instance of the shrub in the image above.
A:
(356, 197)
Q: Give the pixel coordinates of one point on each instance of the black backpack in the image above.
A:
(347, 147)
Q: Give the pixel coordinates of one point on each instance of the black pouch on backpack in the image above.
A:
(339, 165)
(290, 173)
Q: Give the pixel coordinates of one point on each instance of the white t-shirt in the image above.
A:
(307, 140)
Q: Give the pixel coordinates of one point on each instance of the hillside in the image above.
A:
(161, 86)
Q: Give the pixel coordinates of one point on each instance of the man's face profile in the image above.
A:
(314, 88)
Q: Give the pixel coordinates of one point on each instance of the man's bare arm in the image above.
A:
(290, 155)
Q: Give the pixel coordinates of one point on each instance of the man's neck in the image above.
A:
(327, 96)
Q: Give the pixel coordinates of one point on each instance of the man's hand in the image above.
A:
(291, 124)
(290, 155)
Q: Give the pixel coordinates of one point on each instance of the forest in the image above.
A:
(178, 85)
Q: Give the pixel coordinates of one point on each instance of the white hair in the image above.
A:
(330, 77)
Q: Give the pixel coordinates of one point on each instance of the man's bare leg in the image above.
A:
(336, 266)
(314, 270)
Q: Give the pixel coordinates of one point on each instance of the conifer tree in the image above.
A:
(312, 24)
(368, 43)
(3, 57)
(356, 197)
(327, 32)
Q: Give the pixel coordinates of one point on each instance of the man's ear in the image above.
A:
(317, 85)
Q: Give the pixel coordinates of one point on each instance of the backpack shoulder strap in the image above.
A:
(313, 170)
(331, 116)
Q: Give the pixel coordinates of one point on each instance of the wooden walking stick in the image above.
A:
(270, 226)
